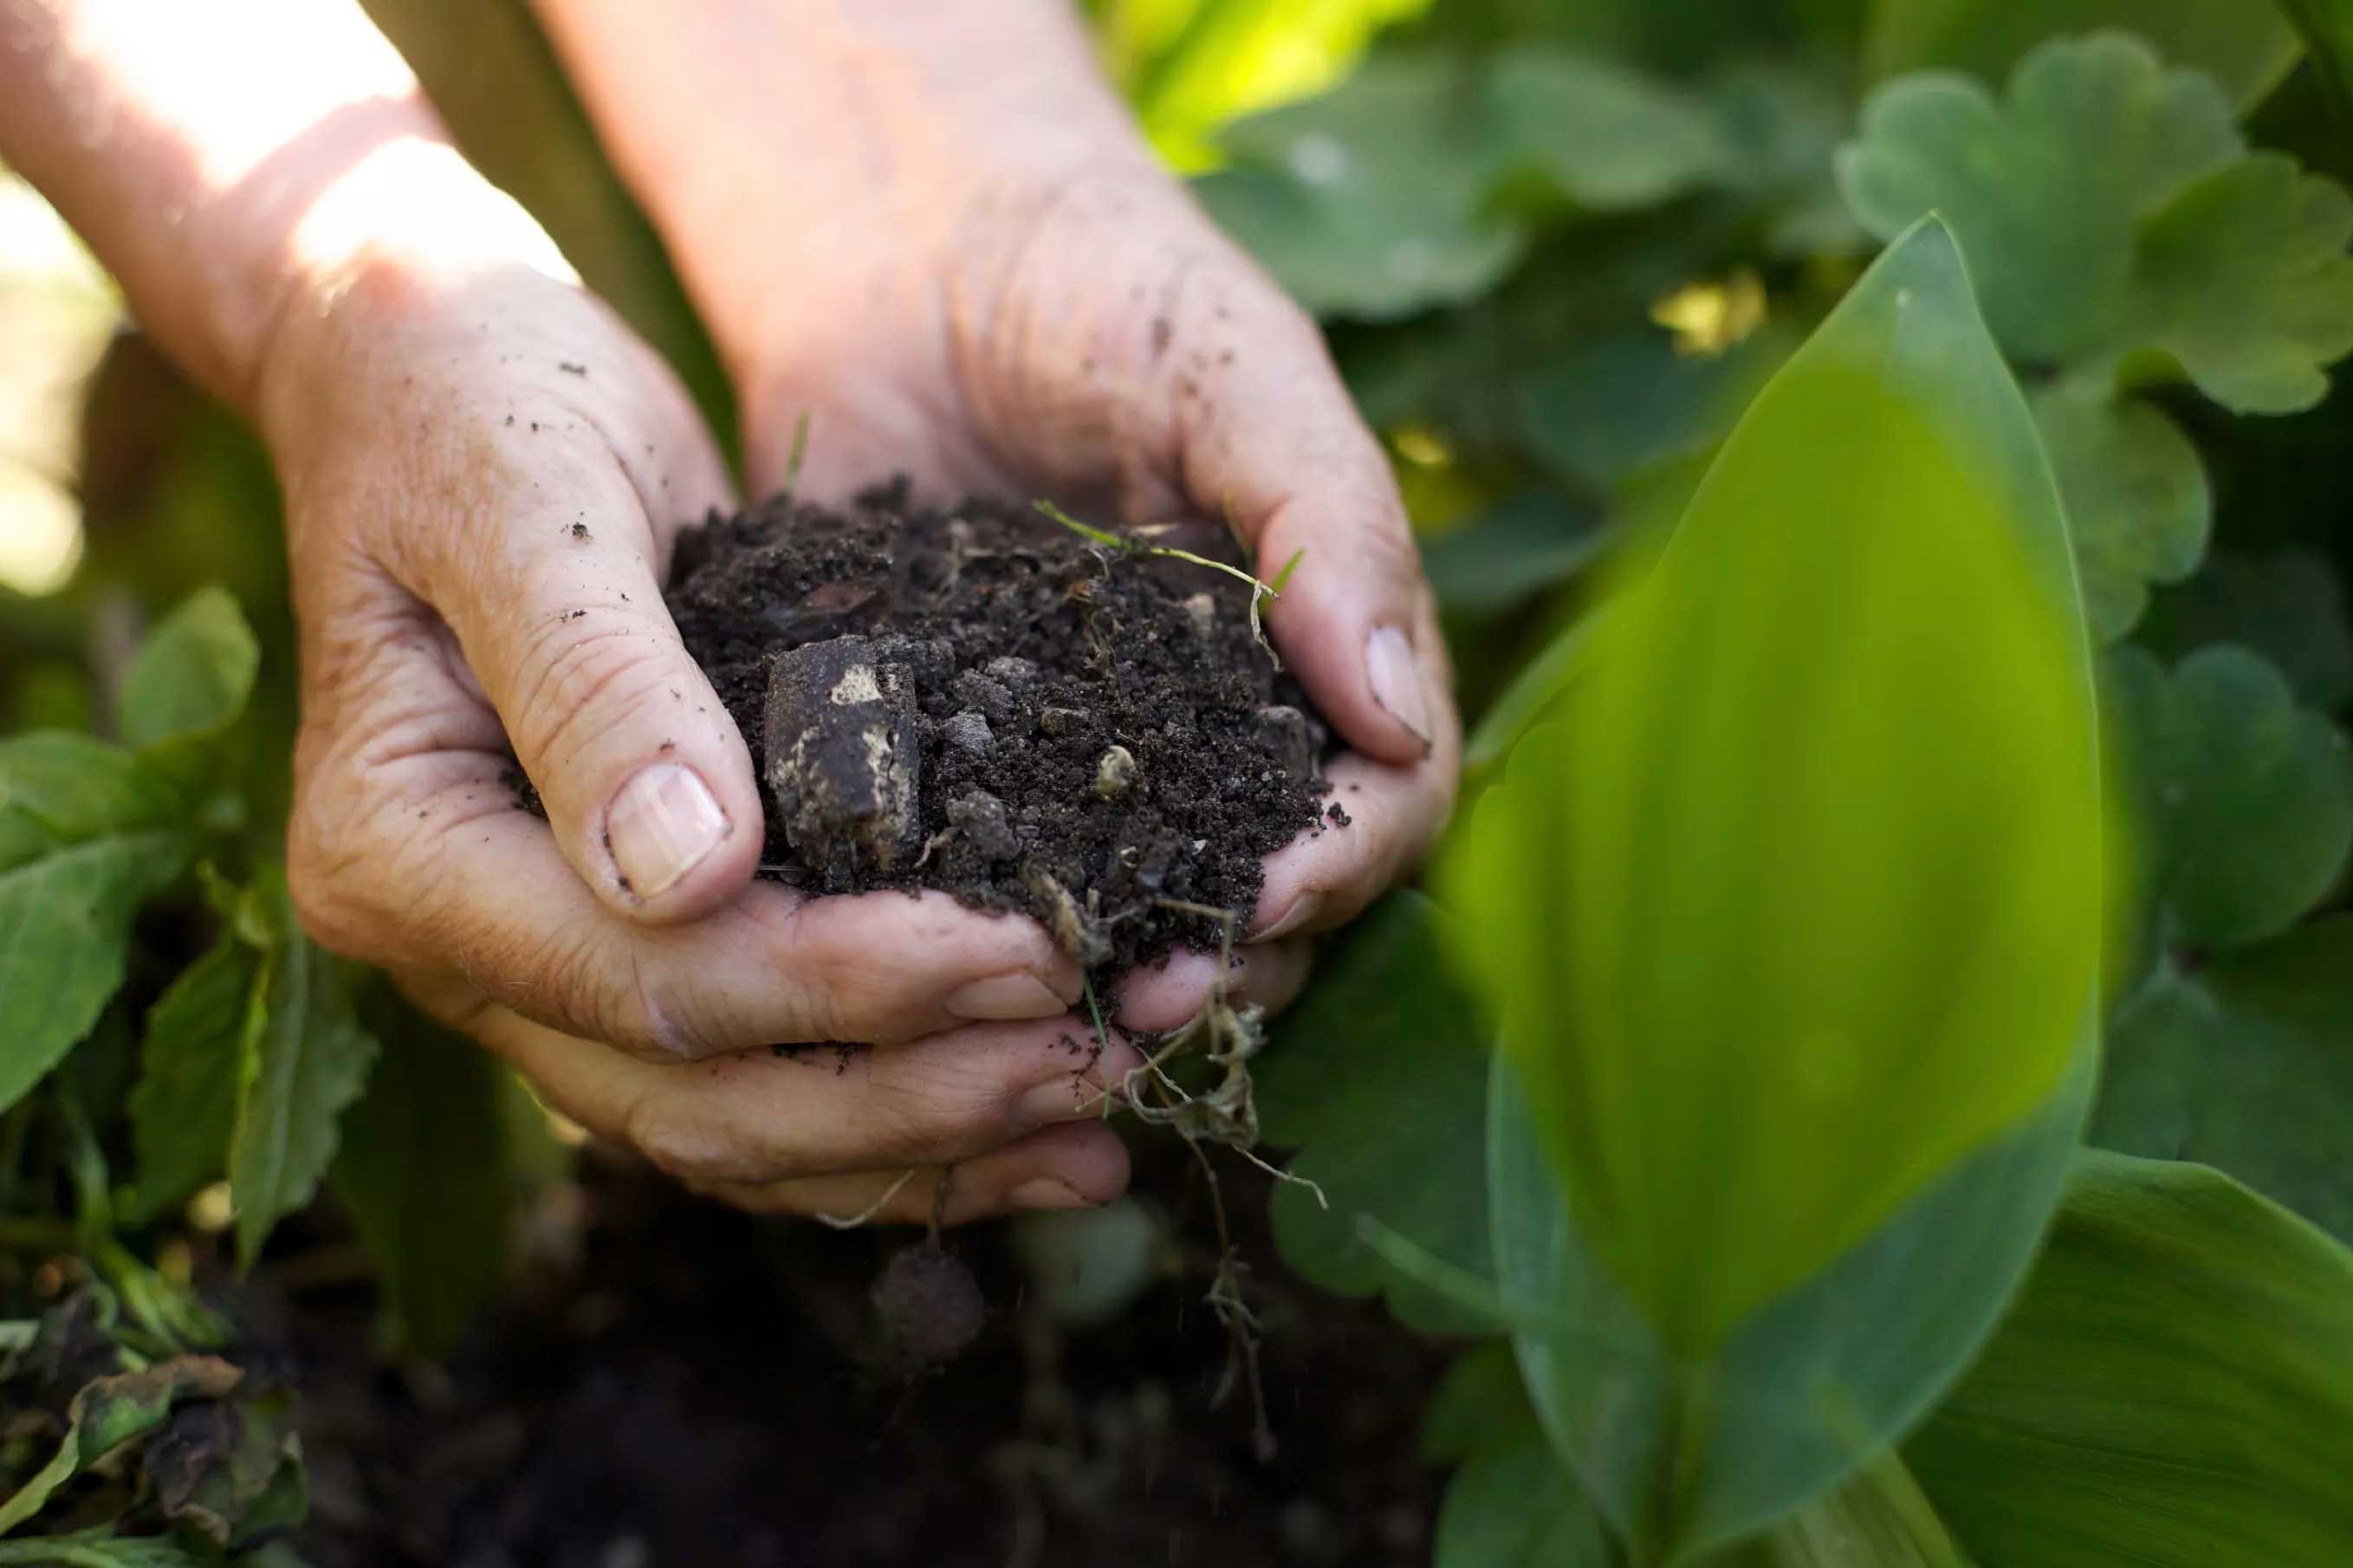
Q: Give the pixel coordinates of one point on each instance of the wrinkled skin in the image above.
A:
(484, 472)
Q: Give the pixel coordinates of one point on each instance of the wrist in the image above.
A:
(377, 258)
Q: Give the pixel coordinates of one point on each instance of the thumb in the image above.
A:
(558, 607)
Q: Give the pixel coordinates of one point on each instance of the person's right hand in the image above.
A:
(483, 470)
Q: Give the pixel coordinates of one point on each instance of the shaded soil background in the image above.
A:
(676, 1383)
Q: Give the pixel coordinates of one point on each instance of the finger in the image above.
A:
(1270, 439)
(1170, 996)
(760, 1117)
(553, 588)
(1325, 878)
(406, 850)
(1077, 1164)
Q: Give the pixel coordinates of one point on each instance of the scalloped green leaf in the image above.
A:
(1815, 845)
(2245, 49)
(2287, 605)
(2173, 1389)
(1371, 200)
(2243, 797)
(2246, 1065)
(1511, 1505)
(2115, 221)
(2139, 510)
(1609, 137)
(1378, 1077)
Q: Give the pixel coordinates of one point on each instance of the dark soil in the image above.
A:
(982, 702)
(677, 1383)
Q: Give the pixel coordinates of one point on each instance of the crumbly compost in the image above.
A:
(982, 702)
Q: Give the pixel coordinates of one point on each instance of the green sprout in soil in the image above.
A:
(1136, 545)
(792, 457)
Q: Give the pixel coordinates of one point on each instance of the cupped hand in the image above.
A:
(1090, 334)
(482, 471)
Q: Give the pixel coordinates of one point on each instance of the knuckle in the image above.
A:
(586, 686)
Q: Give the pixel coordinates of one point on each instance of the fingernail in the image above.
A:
(1303, 908)
(1046, 1192)
(660, 827)
(1002, 998)
(1065, 1096)
(1395, 679)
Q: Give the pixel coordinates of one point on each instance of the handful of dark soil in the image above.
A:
(982, 702)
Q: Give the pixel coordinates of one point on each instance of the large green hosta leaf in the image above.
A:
(1378, 1077)
(2173, 1389)
(1816, 845)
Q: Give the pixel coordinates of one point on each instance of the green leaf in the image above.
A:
(2173, 1389)
(2244, 798)
(1684, 1457)
(1371, 200)
(2137, 506)
(1516, 549)
(311, 1062)
(2112, 213)
(2243, 279)
(429, 1174)
(192, 674)
(1512, 1506)
(1479, 1401)
(2285, 605)
(88, 834)
(1617, 406)
(202, 1035)
(1816, 845)
(2247, 1066)
(108, 1412)
(1378, 1077)
(98, 1549)
(2327, 29)
(1609, 137)
(2246, 48)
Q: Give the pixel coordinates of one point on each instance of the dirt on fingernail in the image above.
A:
(979, 701)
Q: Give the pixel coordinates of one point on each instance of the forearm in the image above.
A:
(224, 159)
(757, 131)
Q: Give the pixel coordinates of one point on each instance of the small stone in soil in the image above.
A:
(845, 753)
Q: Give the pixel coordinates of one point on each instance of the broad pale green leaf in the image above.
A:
(1684, 1456)
(1607, 136)
(88, 834)
(2244, 798)
(1512, 1506)
(2247, 48)
(2246, 1065)
(2137, 506)
(1378, 1077)
(2113, 218)
(1372, 200)
(2173, 1389)
(2285, 605)
(429, 1174)
(202, 1035)
(1815, 847)
(109, 1411)
(192, 674)
(311, 1062)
